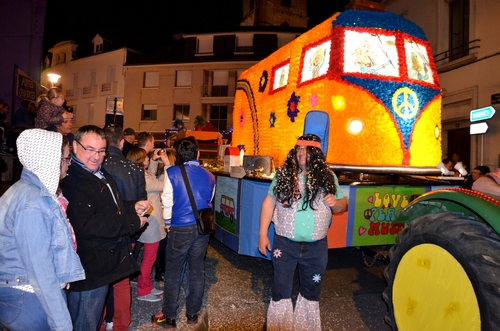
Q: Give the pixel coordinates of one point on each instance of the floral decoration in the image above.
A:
(313, 100)
(293, 107)
(242, 118)
(263, 81)
(272, 119)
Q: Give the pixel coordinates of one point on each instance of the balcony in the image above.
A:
(89, 91)
(214, 91)
(108, 88)
(72, 94)
(457, 57)
(244, 49)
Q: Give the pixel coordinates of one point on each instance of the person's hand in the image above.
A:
(156, 154)
(264, 245)
(329, 200)
(142, 207)
(164, 159)
(144, 220)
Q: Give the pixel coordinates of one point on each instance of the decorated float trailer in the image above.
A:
(366, 83)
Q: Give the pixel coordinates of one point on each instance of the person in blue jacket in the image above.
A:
(37, 246)
(184, 243)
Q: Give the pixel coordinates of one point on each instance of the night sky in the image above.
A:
(147, 25)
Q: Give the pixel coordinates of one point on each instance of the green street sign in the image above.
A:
(482, 114)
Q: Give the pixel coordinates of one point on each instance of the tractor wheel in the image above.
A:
(444, 275)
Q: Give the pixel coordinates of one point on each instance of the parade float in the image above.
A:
(366, 83)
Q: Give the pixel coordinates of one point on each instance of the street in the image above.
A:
(239, 288)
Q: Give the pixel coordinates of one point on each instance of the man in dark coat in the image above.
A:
(103, 223)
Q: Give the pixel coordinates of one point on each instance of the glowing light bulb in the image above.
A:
(355, 126)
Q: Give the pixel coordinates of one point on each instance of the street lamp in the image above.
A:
(53, 78)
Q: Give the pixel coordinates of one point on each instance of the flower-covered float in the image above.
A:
(370, 73)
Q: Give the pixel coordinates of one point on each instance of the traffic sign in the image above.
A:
(478, 128)
(482, 114)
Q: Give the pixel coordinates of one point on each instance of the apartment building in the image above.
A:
(464, 38)
(91, 83)
(199, 78)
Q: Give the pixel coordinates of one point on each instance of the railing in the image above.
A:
(456, 52)
(217, 91)
(244, 49)
(106, 87)
(87, 90)
(220, 125)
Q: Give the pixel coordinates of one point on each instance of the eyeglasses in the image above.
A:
(101, 152)
(67, 159)
(69, 120)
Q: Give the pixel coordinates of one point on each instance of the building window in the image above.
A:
(149, 112)
(244, 43)
(286, 3)
(183, 78)
(151, 79)
(98, 48)
(75, 80)
(181, 112)
(61, 58)
(459, 29)
(205, 45)
(218, 117)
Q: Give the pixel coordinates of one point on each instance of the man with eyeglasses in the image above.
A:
(103, 223)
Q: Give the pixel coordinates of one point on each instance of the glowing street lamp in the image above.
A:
(53, 78)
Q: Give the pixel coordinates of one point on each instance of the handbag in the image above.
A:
(204, 217)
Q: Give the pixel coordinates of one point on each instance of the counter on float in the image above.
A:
(374, 202)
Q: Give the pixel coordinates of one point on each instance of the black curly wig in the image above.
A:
(319, 180)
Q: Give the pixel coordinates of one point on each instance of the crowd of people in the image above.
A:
(73, 225)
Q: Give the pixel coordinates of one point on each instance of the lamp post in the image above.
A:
(53, 78)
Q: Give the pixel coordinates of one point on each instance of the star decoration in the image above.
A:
(317, 278)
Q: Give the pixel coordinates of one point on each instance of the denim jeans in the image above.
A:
(310, 257)
(86, 308)
(22, 311)
(184, 244)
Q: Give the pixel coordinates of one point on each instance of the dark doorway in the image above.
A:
(459, 142)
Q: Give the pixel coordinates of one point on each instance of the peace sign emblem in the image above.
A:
(405, 103)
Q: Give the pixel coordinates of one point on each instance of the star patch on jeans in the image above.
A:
(317, 278)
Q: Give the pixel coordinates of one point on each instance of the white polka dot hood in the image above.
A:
(40, 152)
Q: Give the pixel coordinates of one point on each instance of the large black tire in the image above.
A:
(476, 248)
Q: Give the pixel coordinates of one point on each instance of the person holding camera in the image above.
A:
(184, 242)
(154, 232)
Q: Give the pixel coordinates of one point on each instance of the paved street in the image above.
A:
(239, 288)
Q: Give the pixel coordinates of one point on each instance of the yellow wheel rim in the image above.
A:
(431, 291)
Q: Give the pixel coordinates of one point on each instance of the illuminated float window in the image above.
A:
(279, 76)
(417, 61)
(368, 53)
(316, 61)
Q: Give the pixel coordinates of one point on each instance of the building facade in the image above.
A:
(201, 82)
(90, 83)
(464, 38)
